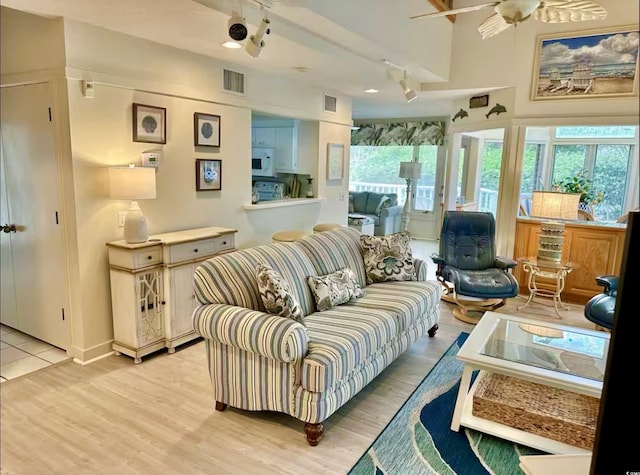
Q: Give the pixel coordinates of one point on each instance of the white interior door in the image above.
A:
(7, 293)
(32, 192)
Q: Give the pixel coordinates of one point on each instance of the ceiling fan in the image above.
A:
(513, 12)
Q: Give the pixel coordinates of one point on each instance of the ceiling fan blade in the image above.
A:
(564, 11)
(492, 26)
(455, 11)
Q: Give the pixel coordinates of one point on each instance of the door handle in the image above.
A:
(9, 228)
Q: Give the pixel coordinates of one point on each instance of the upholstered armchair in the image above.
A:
(474, 278)
(601, 307)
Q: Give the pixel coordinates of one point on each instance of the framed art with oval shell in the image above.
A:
(206, 130)
(149, 123)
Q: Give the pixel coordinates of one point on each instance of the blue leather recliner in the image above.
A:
(601, 308)
(474, 278)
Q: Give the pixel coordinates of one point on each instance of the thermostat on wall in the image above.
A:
(151, 158)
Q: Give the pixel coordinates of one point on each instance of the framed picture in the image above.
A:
(208, 175)
(149, 124)
(589, 64)
(206, 130)
(335, 161)
(478, 101)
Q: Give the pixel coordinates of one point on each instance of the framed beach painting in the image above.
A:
(589, 64)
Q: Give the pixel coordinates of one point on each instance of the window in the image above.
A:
(532, 169)
(375, 168)
(490, 176)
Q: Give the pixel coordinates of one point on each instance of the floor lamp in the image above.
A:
(133, 183)
(409, 171)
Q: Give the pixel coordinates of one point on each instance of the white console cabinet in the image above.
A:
(152, 287)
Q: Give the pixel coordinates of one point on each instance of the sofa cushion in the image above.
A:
(276, 294)
(333, 250)
(407, 300)
(231, 278)
(334, 289)
(388, 258)
(359, 201)
(341, 339)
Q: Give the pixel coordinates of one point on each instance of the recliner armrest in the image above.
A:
(437, 259)
(609, 282)
(504, 263)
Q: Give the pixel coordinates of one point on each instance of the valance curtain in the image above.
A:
(399, 133)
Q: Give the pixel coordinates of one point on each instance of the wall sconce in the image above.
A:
(409, 93)
(133, 183)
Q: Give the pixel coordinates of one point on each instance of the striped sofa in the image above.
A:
(263, 362)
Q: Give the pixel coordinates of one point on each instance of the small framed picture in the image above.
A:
(149, 123)
(206, 130)
(335, 161)
(208, 175)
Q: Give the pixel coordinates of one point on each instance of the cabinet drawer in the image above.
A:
(147, 257)
(224, 243)
(135, 259)
(191, 250)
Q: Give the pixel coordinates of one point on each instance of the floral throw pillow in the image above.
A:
(335, 288)
(388, 258)
(276, 294)
(385, 202)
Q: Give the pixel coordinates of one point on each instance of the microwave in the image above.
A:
(262, 161)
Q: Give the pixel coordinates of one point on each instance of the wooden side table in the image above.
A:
(553, 275)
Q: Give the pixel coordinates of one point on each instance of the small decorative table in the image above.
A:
(362, 223)
(553, 274)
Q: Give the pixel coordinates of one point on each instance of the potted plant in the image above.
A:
(583, 184)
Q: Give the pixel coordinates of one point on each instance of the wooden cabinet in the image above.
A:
(152, 288)
(592, 248)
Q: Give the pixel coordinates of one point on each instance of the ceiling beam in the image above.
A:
(443, 6)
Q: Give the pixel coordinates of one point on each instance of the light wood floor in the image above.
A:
(114, 417)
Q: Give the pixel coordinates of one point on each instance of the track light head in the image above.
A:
(409, 93)
(237, 27)
(256, 43)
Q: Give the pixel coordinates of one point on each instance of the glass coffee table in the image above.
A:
(548, 354)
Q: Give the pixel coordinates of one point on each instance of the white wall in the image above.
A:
(126, 70)
(507, 60)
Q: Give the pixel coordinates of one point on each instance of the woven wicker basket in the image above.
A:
(553, 413)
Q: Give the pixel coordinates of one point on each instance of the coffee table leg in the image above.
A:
(465, 381)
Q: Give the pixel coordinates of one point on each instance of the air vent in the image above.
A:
(330, 104)
(232, 81)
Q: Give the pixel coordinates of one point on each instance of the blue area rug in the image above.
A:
(418, 440)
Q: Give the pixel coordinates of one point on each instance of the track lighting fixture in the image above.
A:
(409, 93)
(256, 43)
(237, 27)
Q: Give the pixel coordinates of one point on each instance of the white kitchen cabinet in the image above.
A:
(286, 149)
(152, 288)
(263, 137)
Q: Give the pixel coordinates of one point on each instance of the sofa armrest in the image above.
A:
(421, 269)
(271, 336)
(390, 211)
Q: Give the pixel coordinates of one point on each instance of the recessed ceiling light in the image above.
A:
(231, 45)
(371, 91)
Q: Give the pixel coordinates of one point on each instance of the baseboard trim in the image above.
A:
(85, 356)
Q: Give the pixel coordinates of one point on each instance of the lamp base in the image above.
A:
(135, 225)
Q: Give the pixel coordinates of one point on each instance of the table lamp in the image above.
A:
(133, 183)
(554, 205)
(409, 171)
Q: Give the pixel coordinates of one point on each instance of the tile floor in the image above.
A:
(22, 354)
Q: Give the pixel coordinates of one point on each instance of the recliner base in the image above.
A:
(468, 309)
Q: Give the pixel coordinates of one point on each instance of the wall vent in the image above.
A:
(330, 104)
(232, 81)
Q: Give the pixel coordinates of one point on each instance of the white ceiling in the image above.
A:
(346, 45)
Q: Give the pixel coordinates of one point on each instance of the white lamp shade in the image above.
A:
(411, 170)
(132, 183)
(555, 205)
